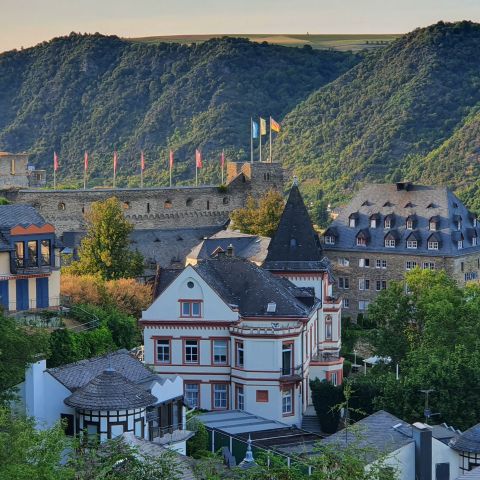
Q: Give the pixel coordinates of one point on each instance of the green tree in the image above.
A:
(104, 250)
(259, 218)
(18, 348)
(325, 397)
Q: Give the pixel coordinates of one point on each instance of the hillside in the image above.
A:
(409, 111)
(95, 93)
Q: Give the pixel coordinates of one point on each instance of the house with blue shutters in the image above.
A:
(29, 260)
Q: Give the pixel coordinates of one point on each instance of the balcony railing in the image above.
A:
(290, 374)
(33, 304)
(22, 266)
(326, 356)
(273, 330)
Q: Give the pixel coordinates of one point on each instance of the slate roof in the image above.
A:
(468, 441)
(163, 278)
(110, 391)
(471, 475)
(375, 432)
(251, 247)
(242, 283)
(76, 375)
(424, 202)
(295, 246)
(12, 215)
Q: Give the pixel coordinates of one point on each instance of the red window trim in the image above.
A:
(155, 354)
(181, 301)
(290, 388)
(212, 359)
(194, 382)
(292, 344)
(184, 350)
(212, 399)
(257, 398)
(237, 386)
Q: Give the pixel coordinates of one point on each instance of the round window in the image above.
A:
(190, 285)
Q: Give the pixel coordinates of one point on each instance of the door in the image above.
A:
(22, 294)
(4, 294)
(42, 292)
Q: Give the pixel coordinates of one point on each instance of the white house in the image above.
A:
(246, 337)
(107, 396)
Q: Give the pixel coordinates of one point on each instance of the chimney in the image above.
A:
(422, 435)
(230, 251)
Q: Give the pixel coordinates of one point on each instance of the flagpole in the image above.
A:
(170, 172)
(270, 139)
(141, 177)
(260, 136)
(223, 163)
(251, 140)
(84, 175)
(196, 174)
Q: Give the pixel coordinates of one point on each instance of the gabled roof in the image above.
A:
(468, 441)
(242, 283)
(295, 244)
(78, 374)
(110, 391)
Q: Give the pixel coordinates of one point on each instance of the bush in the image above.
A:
(326, 397)
(347, 368)
(197, 446)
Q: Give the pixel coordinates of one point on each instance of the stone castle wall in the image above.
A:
(153, 208)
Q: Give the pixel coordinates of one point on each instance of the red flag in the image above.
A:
(115, 159)
(198, 158)
(142, 161)
(222, 159)
(171, 158)
(85, 160)
(55, 161)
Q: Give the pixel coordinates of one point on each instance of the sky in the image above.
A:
(28, 22)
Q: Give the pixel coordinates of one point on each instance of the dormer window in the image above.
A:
(374, 220)
(391, 238)
(433, 223)
(388, 222)
(433, 242)
(460, 244)
(353, 220)
(432, 245)
(361, 242)
(362, 238)
(457, 221)
(390, 243)
(412, 244)
(329, 240)
(410, 223)
(474, 241)
(293, 242)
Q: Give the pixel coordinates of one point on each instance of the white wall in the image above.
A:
(403, 460)
(171, 388)
(442, 453)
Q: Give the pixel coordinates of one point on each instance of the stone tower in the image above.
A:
(262, 176)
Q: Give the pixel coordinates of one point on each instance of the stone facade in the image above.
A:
(13, 170)
(153, 208)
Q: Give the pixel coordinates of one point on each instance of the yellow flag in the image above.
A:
(263, 126)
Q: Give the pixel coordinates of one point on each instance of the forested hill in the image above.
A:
(409, 111)
(97, 93)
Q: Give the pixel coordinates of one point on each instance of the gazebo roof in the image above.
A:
(110, 391)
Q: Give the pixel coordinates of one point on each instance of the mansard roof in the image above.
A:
(426, 203)
(250, 288)
(13, 215)
(295, 246)
(110, 391)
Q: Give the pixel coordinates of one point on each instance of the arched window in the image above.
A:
(189, 202)
(148, 207)
(167, 204)
(61, 206)
(208, 204)
(328, 327)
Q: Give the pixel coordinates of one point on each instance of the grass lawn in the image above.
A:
(354, 42)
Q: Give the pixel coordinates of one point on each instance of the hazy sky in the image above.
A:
(27, 22)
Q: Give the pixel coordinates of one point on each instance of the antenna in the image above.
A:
(427, 412)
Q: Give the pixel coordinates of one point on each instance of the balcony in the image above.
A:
(22, 266)
(326, 357)
(274, 330)
(290, 374)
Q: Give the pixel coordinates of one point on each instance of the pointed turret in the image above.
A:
(295, 245)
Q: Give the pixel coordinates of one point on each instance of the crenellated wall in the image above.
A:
(159, 207)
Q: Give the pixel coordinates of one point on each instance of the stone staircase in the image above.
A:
(310, 421)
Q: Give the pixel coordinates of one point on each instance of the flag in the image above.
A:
(142, 161)
(115, 159)
(222, 159)
(85, 160)
(263, 126)
(275, 126)
(171, 159)
(55, 161)
(198, 159)
(254, 129)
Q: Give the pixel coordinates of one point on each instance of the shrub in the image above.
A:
(347, 368)
(198, 444)
(326, 397)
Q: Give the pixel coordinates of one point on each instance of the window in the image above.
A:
(61, 206)
(460, 244)
(32, 253)
(163, 351)
(380, 285)
(388, 223)
(189, 308)
(428, 265)
(364, 262)
(343, 282)
(220, 352)
(189, 202)
(287, 402)
(471, 276)
(287, 359)
(191, 351)
(380, 264)
(390, 243)
(192, 394)
(474, 241)
(409, 224)
(412, 244)
(220, 396)
(459, 224)
(239, 354)
(69, 422)
(329, 240)
(333, 378)
(352, 222)
(20, 254)
(363, 284)
(45, 252)
(346, 303)
(361, 242)
(475, 222)
(373, 223)
(344, 262)
(148, 207)
(363, 304)
(12, 166)
(293, 243)
(432, 225)
(328, 327)
(462, 266)
(261, 396)
(410, 265)
(432, 245)
(240, 397)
